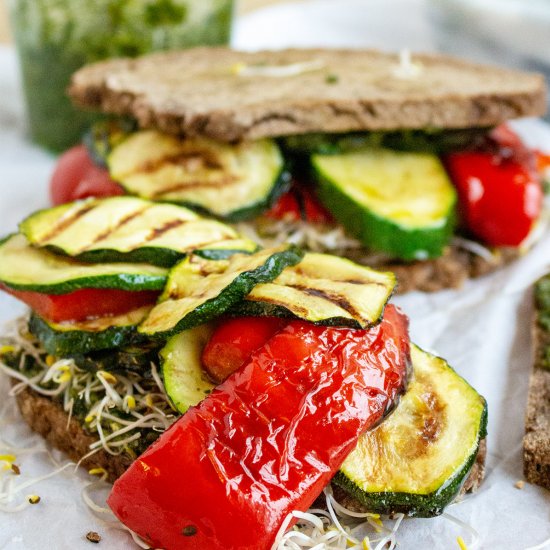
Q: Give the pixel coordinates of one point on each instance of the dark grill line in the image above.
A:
(110, 230)
(194, 184)
(336, 299)
(65, 223)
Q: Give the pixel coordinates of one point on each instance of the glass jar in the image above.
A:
(56, 37)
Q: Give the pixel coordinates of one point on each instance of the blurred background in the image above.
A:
(54, 37)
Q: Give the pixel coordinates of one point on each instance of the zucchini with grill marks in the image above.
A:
(129, 229)
(417, 460)
(23, 267)
(232, 182)
(62, 339)
(186, 382)
(395, 202)
(200, 290)
(323, 289)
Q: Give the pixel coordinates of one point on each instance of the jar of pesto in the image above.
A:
(56, 37)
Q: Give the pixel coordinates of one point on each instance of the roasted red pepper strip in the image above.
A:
(234, 341)
(499, 188)
(267, 440)
(83, 304)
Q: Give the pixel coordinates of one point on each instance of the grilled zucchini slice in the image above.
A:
(232, 182)
(186, 382)
(416, 461)
(325, 290)
(23, 267)
(129, 229)
(63, 339)
(199, 290)
(395, 202)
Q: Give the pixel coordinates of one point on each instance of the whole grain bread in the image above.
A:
(536, 443)
(230, 95)
(48, 419)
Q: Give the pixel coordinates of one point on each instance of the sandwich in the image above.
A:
(397, 162)
(245, 383)
(536, 443)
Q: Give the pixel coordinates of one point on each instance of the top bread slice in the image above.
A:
(230, 95)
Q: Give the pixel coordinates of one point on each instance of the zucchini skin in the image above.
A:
(230, 295)
(65, 343)
(153, 278)
(381, 234)
(281, 186)
(160, 257)
(412, 505)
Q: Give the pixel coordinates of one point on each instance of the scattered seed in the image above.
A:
(94, 537)
(519, 484)
(34, 499)
(15, 469)
(189, 531)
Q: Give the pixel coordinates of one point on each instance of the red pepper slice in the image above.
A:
(299, 203)
(83, 304)
(234, 341)
(267, 440)
(500, 192)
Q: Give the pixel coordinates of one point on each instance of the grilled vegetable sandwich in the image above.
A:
(226, 373)
(393, 161)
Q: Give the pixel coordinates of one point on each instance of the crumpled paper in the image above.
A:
(483, 330)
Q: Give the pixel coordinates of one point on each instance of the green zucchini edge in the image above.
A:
(382, 234)
(234, 292)
(280, 186)
(416, 505)
(63, 343)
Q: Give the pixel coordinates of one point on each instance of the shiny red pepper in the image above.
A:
(234, 341)
(267, 440)
(500, 192)
(83, 304)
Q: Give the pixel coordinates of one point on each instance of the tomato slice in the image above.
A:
(500, 192)
(76, 176)
(266, 441)
(234, 341)
(299, 203)
(84, 303)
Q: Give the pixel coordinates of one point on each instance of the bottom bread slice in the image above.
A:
(536, 443)
(48, 419)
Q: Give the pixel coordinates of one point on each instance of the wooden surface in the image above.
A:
(244, 6)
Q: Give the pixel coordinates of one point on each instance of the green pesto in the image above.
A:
(56, 37)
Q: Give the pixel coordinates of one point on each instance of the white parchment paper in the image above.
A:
(483, 330)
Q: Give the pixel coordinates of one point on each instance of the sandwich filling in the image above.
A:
(433, 205)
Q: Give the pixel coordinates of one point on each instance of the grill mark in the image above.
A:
(194, 184)
(189, 160)
(336, 299)
(65, 223)
(109, 231)
(156, 232)
(307, 274)
(297, 310)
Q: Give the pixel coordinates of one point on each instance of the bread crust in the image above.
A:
(226, 95)
(48, 419)
(536, 443)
